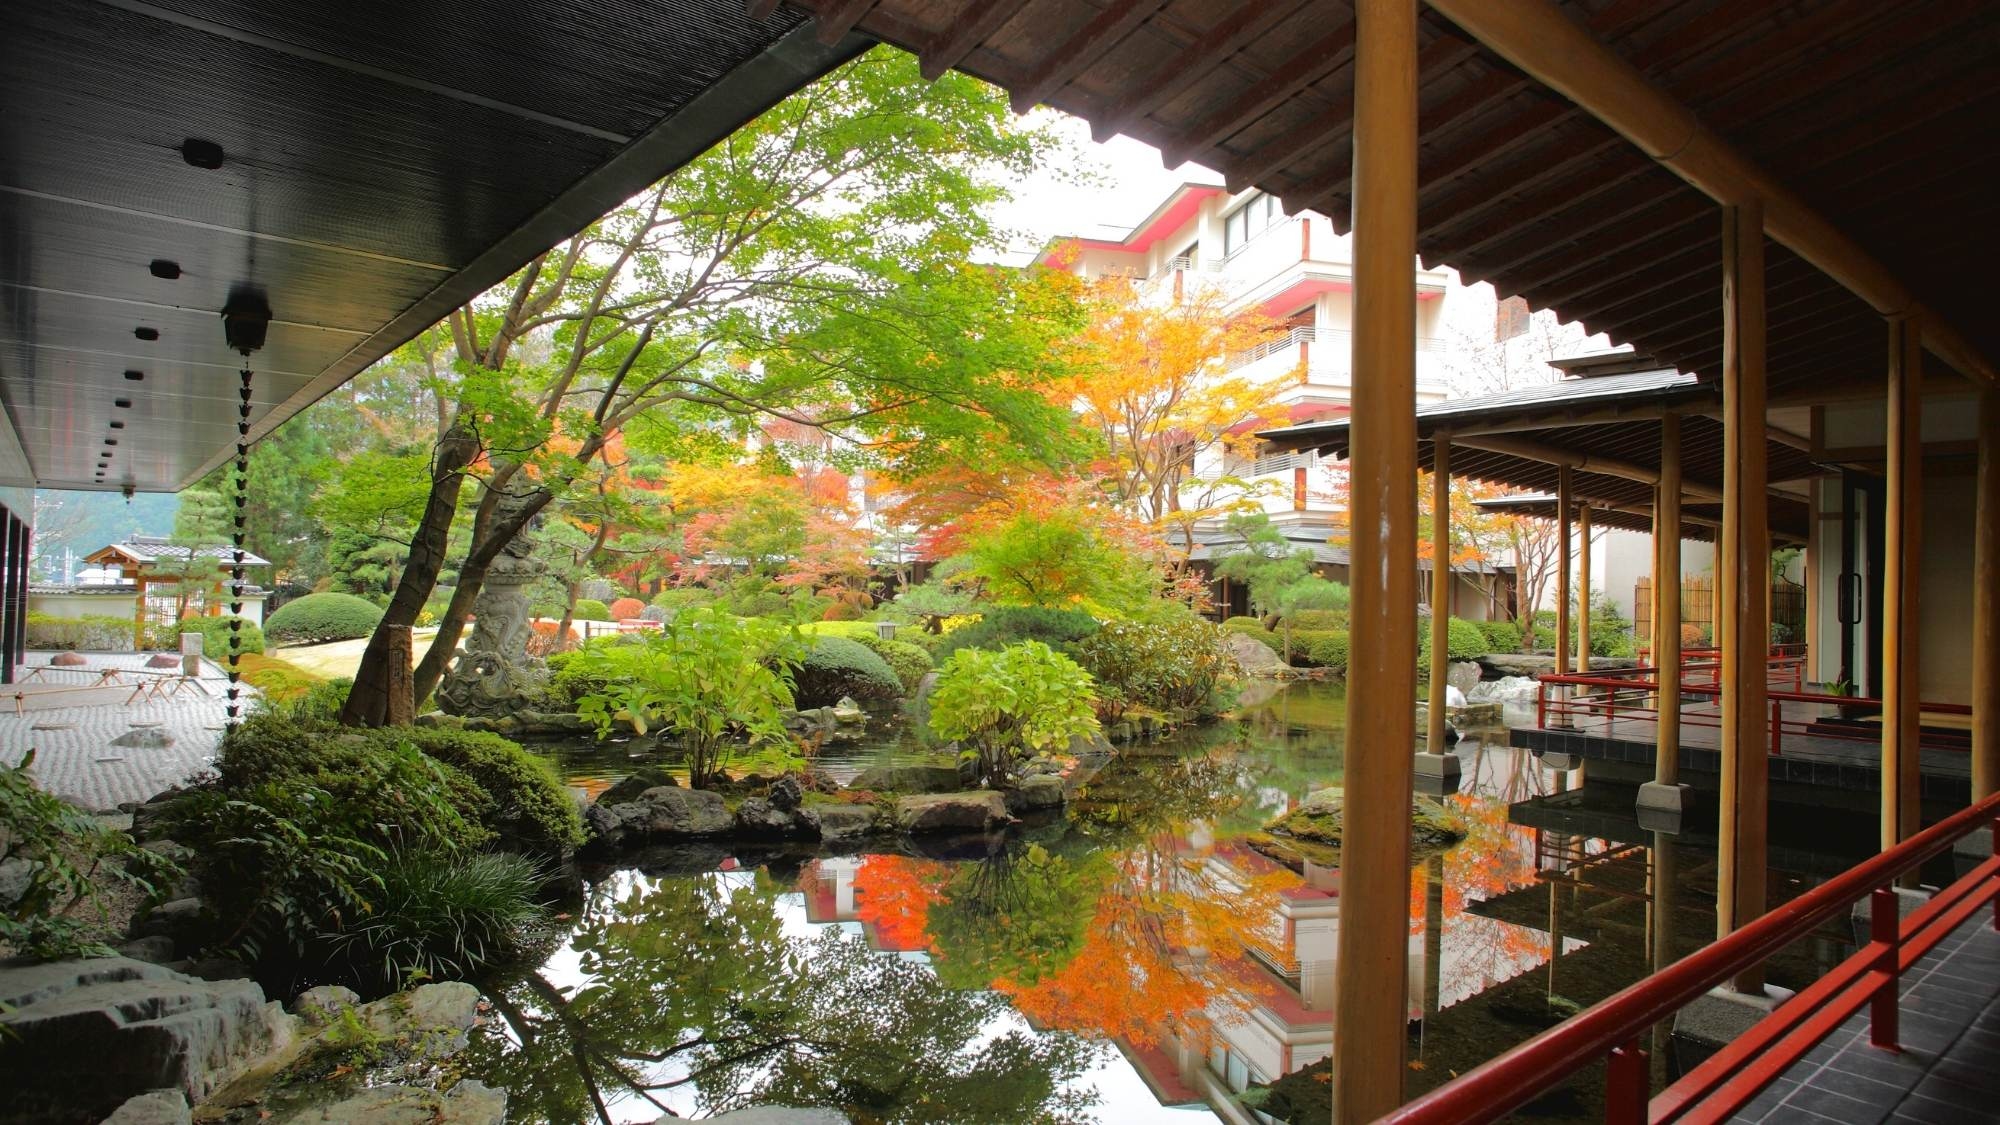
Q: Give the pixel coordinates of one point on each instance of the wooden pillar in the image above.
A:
(1903, 544)
(1583, 589)
(1371, 969)
(1667, 602)
(1986, 604)
(1562, 568)
(1743, 582)
(139, 612)
(1440, 591)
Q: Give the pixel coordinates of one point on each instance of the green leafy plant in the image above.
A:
(69, 856)
(440, 919)
(705, 679)
(1008, 704)
(1173, 663)
(215, 635)
(318, 618)
(997, 628)
(590, 609)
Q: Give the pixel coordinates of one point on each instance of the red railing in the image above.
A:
(1602, 699)
(1718, 1088)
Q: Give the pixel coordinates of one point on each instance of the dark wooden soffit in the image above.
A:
(1789, 519)
(1883, 116)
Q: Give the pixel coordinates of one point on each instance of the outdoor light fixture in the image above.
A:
(146, 333)
(164, 269)
(201, 154)
(245, 319)
(135, 376)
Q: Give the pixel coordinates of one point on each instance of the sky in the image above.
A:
(1129, 183)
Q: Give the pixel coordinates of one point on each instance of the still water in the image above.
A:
(1134, 961)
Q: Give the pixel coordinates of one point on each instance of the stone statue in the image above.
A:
(494, 677)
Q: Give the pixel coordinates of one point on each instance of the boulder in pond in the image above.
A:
(919, 777)
(1037, 793)
(1252, 656)
(629, 787)
(1462, 674)
(952, 812)
(1312, 831)
(846, 822)
(1506, 689)
(758, 816)
(669, 813)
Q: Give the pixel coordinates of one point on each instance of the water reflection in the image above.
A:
(1138, 955)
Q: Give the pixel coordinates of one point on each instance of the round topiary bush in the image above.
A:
(590, 609)
(625, 609)
(908, 661)
(998, 628)
(680, 597)
(318, 618)
(215, 635)
(836, 667)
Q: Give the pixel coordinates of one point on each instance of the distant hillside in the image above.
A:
(84, 521)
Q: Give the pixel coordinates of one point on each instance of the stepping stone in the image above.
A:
(102, 761)
(53, 726)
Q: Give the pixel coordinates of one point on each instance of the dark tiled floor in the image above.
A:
(1948, 1070)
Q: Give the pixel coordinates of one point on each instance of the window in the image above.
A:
(1258, 212)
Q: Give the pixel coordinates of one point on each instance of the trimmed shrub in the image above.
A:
(765, 604)
(680, 597)
(529, 808)
(318, 618)
(626, 609)
(1467, 642)
(908, 661)
(839, 666)
(93, 633)
(1501, 636)
(320, 703)
(1319, 648)
(998, 628)
(1244, 624)
(1317, 619)
(571, 680)
(1176, 663)
(854, 630)
(215, 635)
(843, 611)
(590, 609)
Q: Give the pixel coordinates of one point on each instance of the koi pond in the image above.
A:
(1133, 960)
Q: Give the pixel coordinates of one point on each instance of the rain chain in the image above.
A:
(236, 561)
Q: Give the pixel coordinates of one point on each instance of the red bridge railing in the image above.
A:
(1728, 1081)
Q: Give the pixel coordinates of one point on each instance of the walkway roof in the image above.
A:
(375, 166)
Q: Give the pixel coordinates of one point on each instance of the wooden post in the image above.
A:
(402, 692)
(1440, 591)
(1667, 603)
(1743, 581)
(139, 612)
(1986, 605)
(1902, 552)
(1371, 968)
(1562, 569)
(1583, 589)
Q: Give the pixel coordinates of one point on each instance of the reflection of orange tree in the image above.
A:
(1166, 948)
(893, 894)
(1496, 857)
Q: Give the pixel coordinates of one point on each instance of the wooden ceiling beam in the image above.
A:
(960, 38)
(837, 17)
(1105, 31)
(1308, 66)
(1210, 49)
(1537, 37)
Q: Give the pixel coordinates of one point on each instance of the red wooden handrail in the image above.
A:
(1613, 1026)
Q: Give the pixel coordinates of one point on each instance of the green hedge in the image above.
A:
(1319, 619)
(1467, 642)
(93, 633)
(590, 609)
(908, 661)
(215, 635)
(681, 597)
(1319, 648)
(1501, 636)
(1251, 627)
(840, 666)
(318, 618)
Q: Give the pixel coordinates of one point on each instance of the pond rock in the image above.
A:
(1506, 689)
(87, 1035)
(154, 1107)
(1252, 656)
(1041, 791)
(846, 822)
(952, 812)
(665, 812)
(758, 816)
(629, 788)
(786, 793)
(468, 1103)
(915, 778)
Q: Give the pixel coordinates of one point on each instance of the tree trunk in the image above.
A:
(368, 702)
(560, 641)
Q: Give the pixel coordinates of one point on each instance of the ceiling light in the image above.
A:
(201, 154)
(117, 425)
(164, 269)
(110, 441)
(122, 403)
(135, 376)
(146, 333)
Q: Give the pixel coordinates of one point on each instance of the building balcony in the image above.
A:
(1316, 365)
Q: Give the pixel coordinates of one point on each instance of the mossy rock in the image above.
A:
(1312, 832)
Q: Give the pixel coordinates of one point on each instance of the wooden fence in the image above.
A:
(1788, 607)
